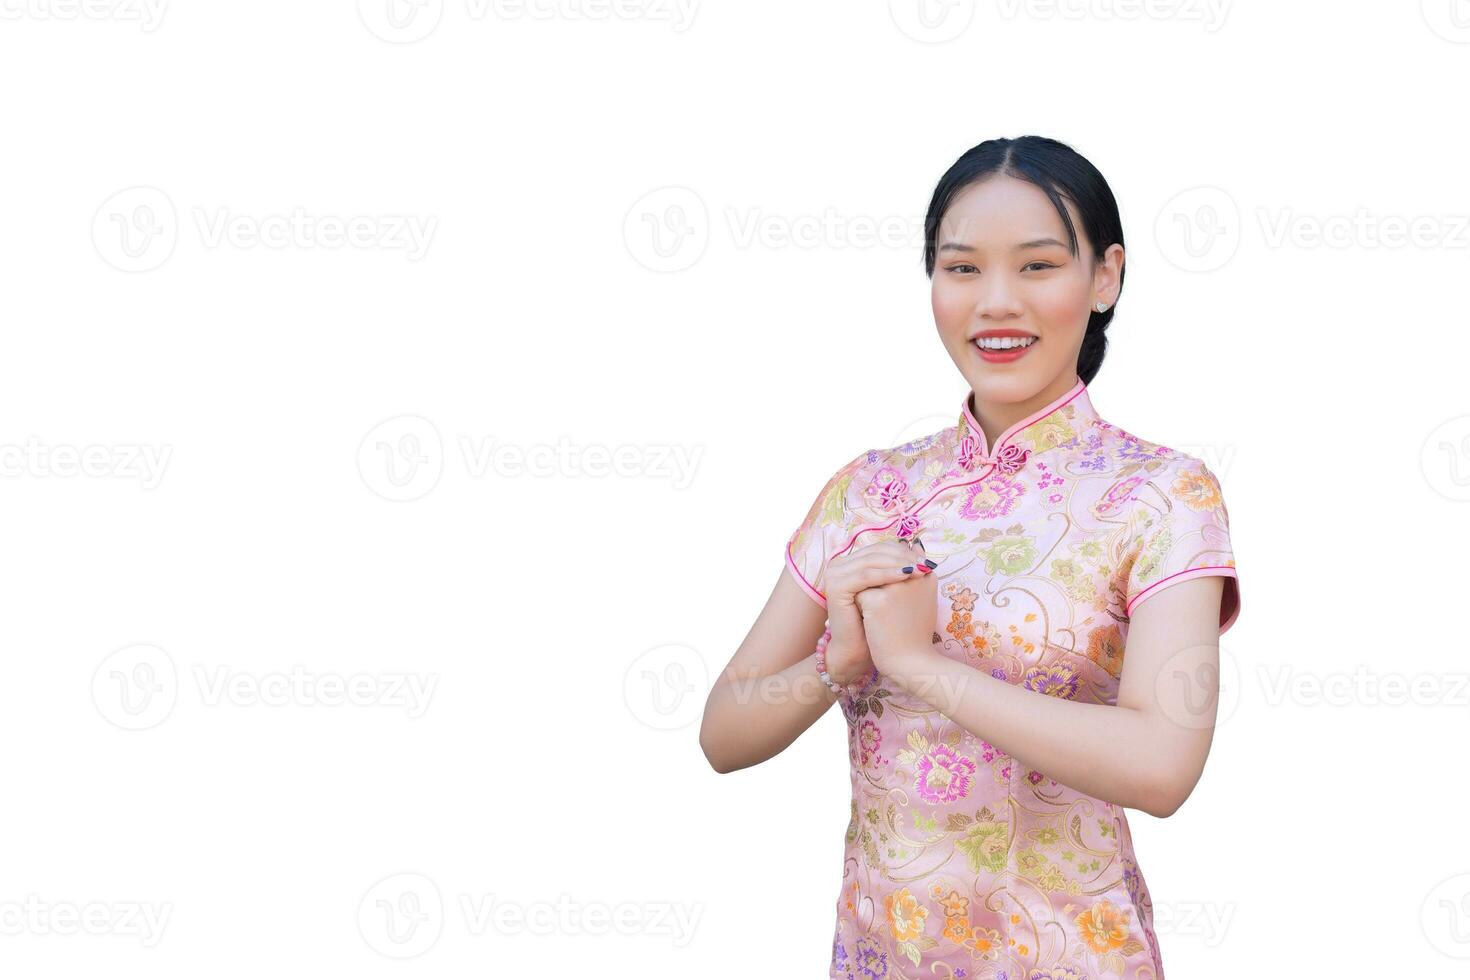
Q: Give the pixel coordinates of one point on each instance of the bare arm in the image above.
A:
(770, 693)
(1147, 752)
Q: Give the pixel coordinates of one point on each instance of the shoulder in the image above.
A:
(917, 454)
(867, 486)
(1150, 475)
(1177, 489)
(1133, 452)
(834, 500)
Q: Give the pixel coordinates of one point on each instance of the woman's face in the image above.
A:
(1002, 265)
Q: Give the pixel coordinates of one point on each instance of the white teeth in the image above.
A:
(1004, 343)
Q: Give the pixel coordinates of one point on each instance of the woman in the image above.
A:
(968, 598)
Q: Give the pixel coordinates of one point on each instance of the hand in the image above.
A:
(865, 569)
(898, 619)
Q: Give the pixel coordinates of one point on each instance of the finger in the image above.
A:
(870, 574)
(908, 556)
(923, 562)
(902, 550)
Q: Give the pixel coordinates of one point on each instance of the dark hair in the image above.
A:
(1060, 171)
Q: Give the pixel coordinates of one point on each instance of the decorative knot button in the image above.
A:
(907, 525)
(894, 494)
(1008, 459)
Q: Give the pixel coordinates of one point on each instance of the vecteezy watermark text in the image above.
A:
(402, 459)
(403, 916)
(147, 13)
(34, 916)
(127, 461)
(138, 228)
(137, 687)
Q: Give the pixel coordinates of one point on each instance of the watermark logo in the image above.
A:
(1198, 687)
(401, 458)
(1450, 19)
(1445, 916)
(1445, 459)
(1198, 230)
(667, 230)
(136, 229)
(932, 21)
(136, 687)
(400, 21)
(401, 916)
(665, 687)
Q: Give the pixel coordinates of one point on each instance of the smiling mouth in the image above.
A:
(1004, 343)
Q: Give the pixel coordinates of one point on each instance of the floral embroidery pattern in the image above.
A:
(905, 915)
(1010, 554)
(1058, 680)
(986, 843)
(991, 499)
(961, 861)
(943, 776)
(1198, 489)
(1105, 648)
(865, 740)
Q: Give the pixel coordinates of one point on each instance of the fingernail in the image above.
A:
(931, 562)
(906, 569)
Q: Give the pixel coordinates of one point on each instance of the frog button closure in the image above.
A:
(1008, 459)
(895, 496)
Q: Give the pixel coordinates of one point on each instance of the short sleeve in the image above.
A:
(816, 540)
(1180, 532)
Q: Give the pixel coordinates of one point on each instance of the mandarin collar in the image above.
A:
(1037, 432)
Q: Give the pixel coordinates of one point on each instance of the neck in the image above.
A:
(997, 417)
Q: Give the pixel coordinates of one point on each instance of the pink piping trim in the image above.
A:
(800, 580)
(1071, 394)
(1075, 390)
(1226, 570)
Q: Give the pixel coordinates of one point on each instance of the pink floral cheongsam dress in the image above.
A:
(959, 860)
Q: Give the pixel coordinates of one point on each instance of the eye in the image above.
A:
(1038, 263)
(961, 267)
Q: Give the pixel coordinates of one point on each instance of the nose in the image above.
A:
(996, 298)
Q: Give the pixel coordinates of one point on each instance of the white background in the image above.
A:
(587, 179)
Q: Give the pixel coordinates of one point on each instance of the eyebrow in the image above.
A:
(1034, 243)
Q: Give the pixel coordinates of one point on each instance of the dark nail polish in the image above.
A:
(907, 568)
(931, 562)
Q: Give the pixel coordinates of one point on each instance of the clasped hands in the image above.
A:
(879, 615)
